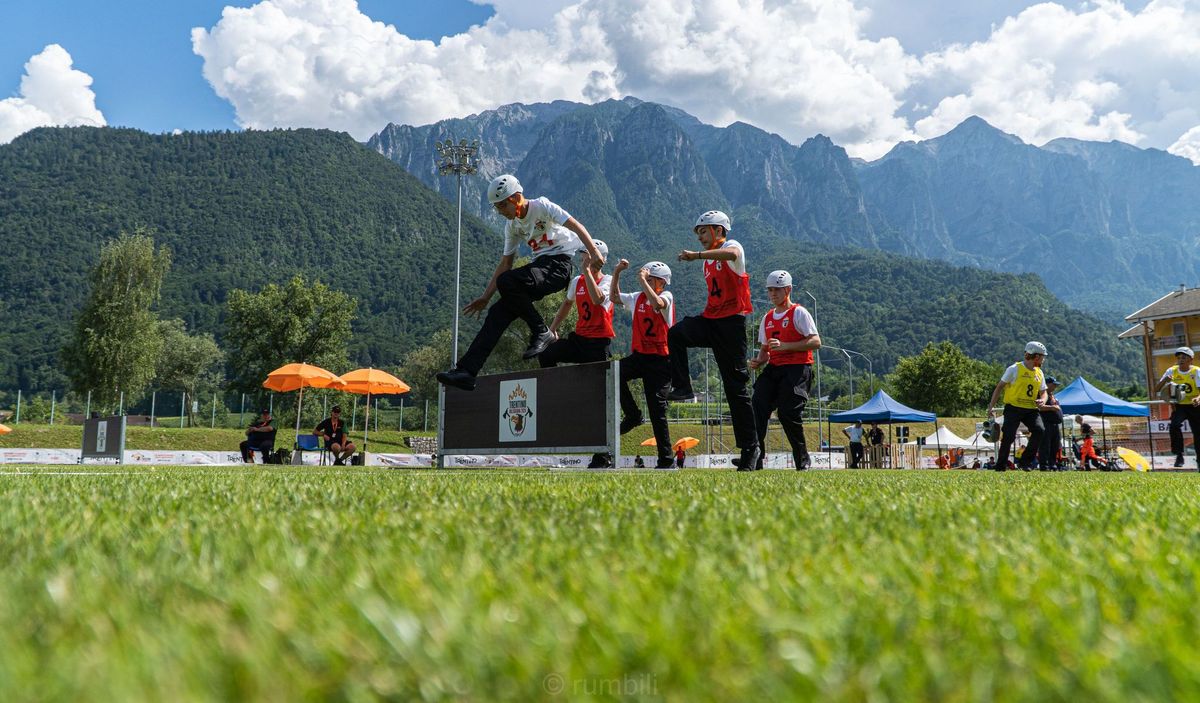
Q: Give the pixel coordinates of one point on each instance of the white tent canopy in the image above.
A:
(946, 439)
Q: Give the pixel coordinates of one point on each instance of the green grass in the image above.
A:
(313, 584)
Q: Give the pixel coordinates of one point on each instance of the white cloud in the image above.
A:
(52, 93)
(795, 67)
(1188, 146)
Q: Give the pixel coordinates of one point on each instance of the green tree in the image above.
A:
(279, 325)
(116, 342)
(421, 364)
(943, 380)
(188, 363)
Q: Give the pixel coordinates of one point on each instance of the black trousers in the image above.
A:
(1179, 413)
(1051, 443)
(655, 372)
(519, 288)
(726, 336)
(574, 349)
(784, 389)
(1013, 418)
(247, 447)
(856, 454)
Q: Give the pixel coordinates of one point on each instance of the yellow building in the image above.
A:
(1168, 323)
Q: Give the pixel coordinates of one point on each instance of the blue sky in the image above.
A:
(867, 73)
(139, 52)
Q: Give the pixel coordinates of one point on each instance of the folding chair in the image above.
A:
(311, 443)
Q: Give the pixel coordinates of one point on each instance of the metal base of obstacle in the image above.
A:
(565, 409)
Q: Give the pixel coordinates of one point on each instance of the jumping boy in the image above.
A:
(590, 295)
(1024, 388)
(721, 327)
(653, 311)
(788, 336)
(553, 236)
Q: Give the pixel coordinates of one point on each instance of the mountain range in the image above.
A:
(1109, 227)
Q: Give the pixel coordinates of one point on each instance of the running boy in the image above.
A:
(721, 327)
(788, 335)
(1024, 388)
(1185, 407)
(553, 236)
(591, 341)
(653, 312)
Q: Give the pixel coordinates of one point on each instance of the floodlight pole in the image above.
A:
(817, 354)
(459, 159)
(870, 368)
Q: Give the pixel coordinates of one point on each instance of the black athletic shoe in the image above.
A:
(681, 396)
(538, 344)
(804, 463)
(1178, 462)
(457, 378)
(339, 462)
(629, 422)
(749, 459)
(665, 464)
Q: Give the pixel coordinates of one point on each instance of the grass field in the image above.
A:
(138, 583)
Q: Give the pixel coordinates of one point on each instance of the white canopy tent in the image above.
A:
(946, 439)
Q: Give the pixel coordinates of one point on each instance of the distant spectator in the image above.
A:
(639, 462)
(680, 455)
(260, 437)
(1087, 453)
(855, 434)
(975, 464)
(333, 431)
(875, 435)
(1052, 418)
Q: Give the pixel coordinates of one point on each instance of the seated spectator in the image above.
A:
(260, 437)
(1087, 453)
(333, 431)
(975, 464)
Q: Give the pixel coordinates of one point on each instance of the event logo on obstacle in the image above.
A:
(518, 399)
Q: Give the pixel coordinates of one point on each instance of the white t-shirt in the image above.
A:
(1010, 375)
(668, 312)
(542, 230)
(802, 320)
(738, 265)
(855, 433)
(604, 286)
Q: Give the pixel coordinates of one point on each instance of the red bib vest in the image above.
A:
(595, 321)
(785, 331)
(649, 328)
(728, 292)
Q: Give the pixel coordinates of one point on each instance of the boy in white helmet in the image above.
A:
(553, 236)
(788, 335)
(721, 327)
(1185, 406)
(653, 310)
(1023, 386)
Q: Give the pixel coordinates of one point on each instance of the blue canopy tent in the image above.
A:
(1082, 398)
(884, 408)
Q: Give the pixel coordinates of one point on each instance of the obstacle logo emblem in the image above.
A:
(518, 403)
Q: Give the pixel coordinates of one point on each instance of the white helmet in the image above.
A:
(659, 270)
(1035, 348)
(779, 279)
(714, 217)
(1186, 350)
(502, 187)
(600, 247)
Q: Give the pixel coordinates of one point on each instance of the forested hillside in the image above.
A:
(239, 210)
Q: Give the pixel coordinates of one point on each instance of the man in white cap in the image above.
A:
(788, 336)
(721, 327)
(1023, 386)
(1185, 402)
(552, 236)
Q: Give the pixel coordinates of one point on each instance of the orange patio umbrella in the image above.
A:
(292, 377)
(370, 382)
(685, 443)
(5, 429)
(650, 442)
